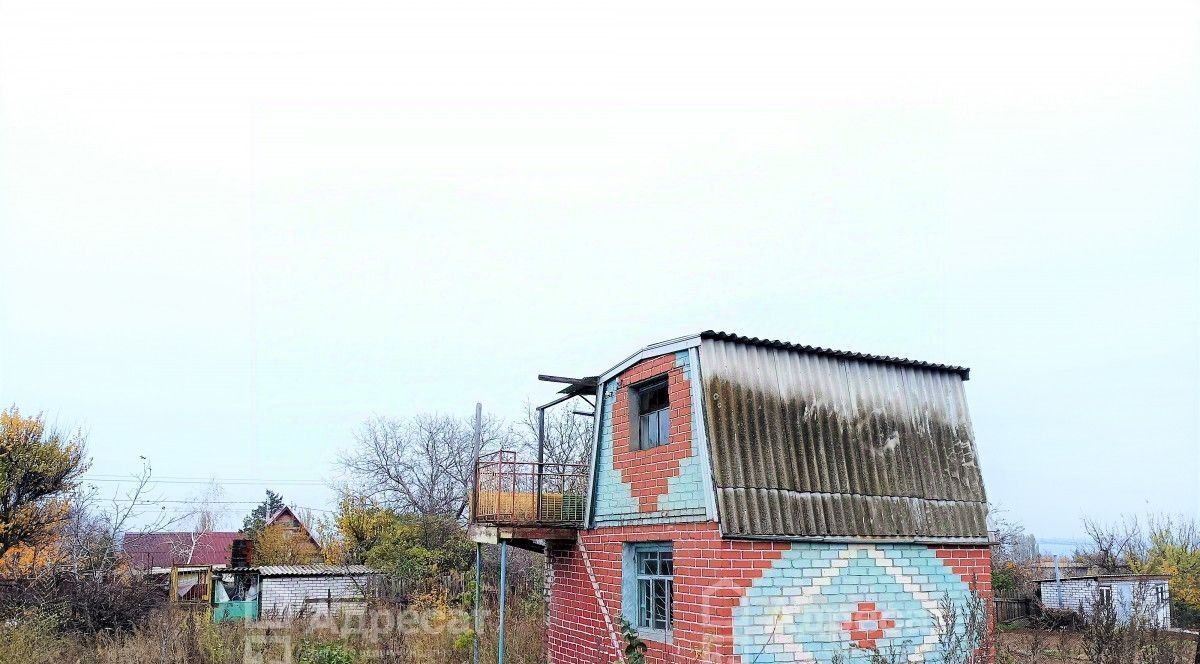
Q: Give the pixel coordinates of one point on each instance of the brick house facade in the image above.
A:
(795, 505)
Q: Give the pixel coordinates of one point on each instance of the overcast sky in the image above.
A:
(230, 231)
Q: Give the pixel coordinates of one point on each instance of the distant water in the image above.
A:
(1060, 546)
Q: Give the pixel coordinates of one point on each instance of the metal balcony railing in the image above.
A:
(526, 493)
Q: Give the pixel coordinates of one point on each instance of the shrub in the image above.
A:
(635, 647)
(326, 653)
(30, 637)
(1059, 618)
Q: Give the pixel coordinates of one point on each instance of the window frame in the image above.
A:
(1102, 590)
(638, 438)
(637, 579)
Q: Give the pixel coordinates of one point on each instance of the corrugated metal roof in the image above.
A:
(163, 549)
(1132, 578)
(809, 442)
(817, 350)
(316, 570)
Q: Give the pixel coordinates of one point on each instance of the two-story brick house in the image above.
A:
(762, 501)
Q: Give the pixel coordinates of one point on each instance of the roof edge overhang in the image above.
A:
(836, 539)
(1110, 577)
(653, 350)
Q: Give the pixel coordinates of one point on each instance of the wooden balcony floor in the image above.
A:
(524, 536)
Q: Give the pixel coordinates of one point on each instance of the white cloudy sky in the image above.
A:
(229, 231)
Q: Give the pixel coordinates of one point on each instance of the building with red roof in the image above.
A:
(147, 551)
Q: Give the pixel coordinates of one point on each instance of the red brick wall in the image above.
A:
(973, 564)
(711, 575)
(647, 471)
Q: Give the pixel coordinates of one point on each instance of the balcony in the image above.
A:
(526, 500)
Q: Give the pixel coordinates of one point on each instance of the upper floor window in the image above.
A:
(653, 413)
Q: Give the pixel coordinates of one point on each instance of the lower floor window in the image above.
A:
(655, 585)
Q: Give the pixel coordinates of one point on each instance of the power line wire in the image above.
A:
(145, 501)
(184, 480)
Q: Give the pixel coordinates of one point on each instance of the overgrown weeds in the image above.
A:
(428, 631)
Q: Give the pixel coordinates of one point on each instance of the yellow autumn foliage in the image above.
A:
(39, 468)
(277, 544)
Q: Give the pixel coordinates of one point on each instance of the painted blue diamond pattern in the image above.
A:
(799, 609)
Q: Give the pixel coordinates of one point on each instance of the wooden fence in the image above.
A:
(1011, 605)
(456, 584)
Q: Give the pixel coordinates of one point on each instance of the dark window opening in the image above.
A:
(654, 414)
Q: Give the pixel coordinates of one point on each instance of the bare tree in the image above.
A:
(83, 577)
(421, 465)
(202, 519)
(1111, 544)
(112, 518)
(1012, 543)
(568, 435)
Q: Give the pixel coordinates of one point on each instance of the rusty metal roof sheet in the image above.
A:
(814, 443)
(163, 549)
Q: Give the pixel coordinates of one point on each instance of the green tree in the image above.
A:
(257, 518)
(409, 545)
(39, 468)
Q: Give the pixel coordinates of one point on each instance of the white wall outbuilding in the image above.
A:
(1146, 594)
(314, 590)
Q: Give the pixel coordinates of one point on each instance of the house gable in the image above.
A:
(666, 482)
(287, 520)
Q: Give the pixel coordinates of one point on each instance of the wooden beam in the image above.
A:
(589, 381)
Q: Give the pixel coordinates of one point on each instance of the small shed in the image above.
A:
(321, 590)
(1146, 595)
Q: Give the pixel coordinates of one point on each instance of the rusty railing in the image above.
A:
(511, 492)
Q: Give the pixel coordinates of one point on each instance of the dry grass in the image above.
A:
(1040, 646)
(429, 631)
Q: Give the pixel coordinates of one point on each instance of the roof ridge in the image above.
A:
(965, 372)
